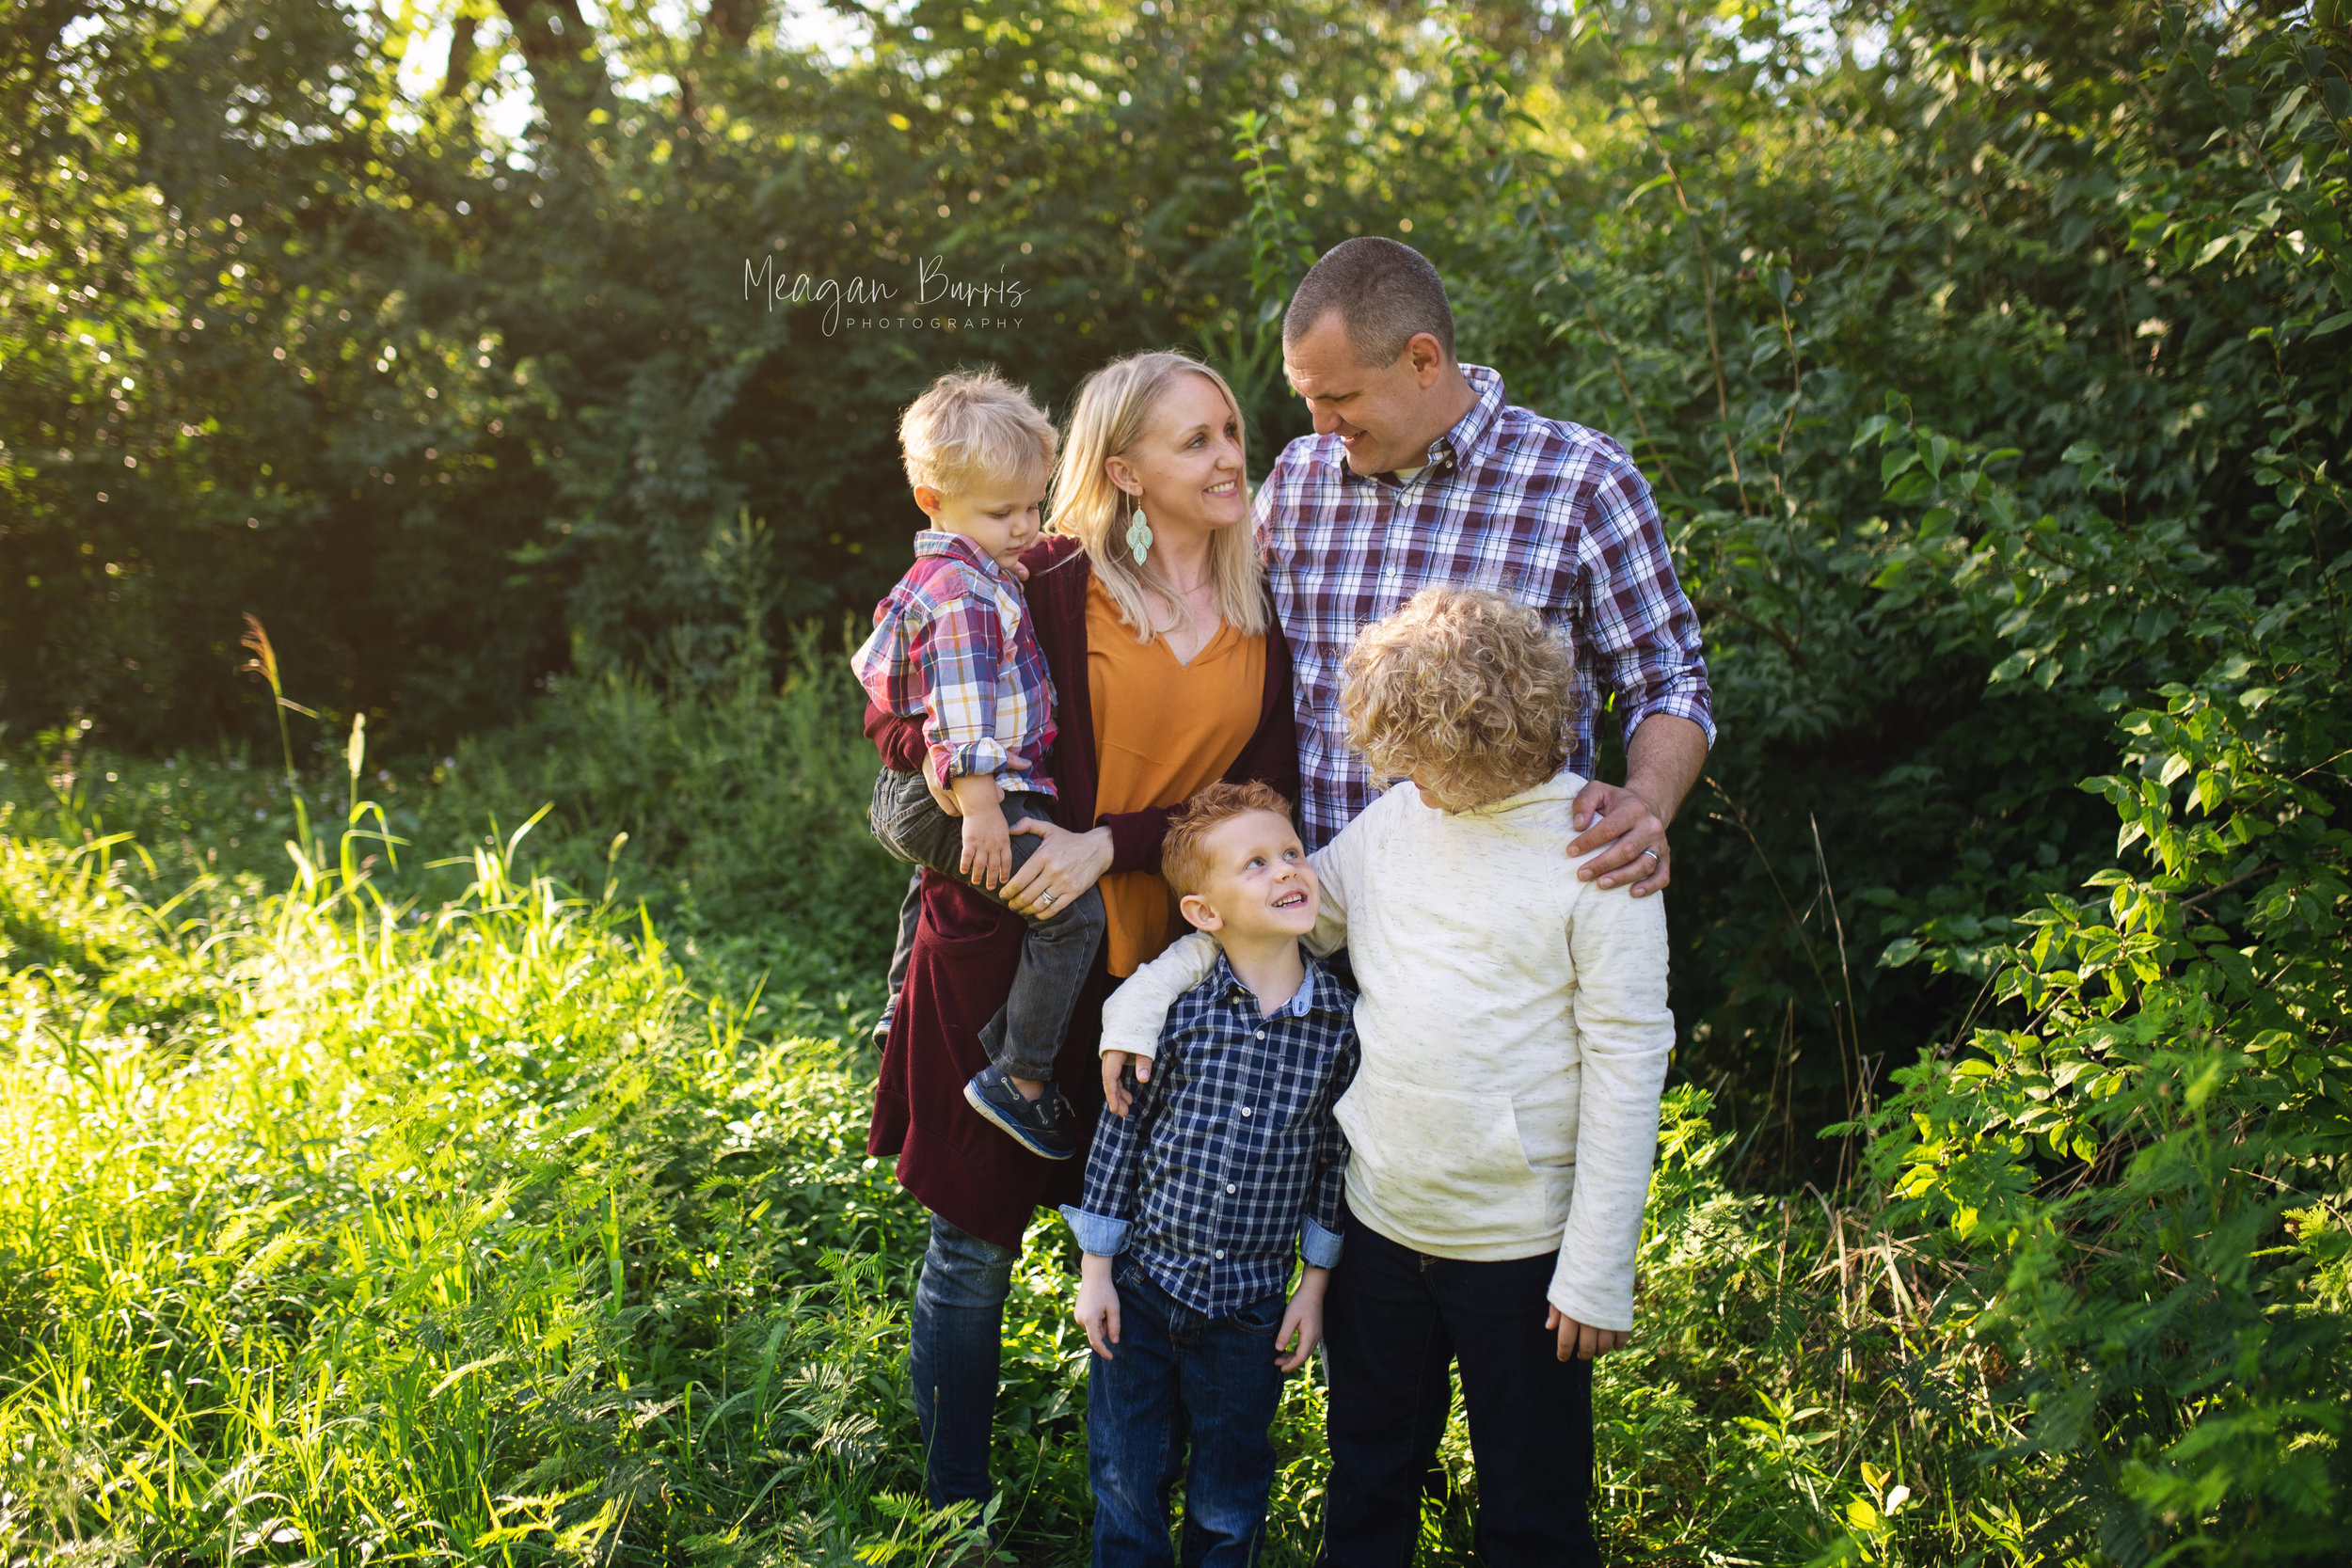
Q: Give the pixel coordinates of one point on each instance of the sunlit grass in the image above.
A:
(351, 1215)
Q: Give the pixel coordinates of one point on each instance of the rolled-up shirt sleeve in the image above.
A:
(1640, 625)
(960, 648)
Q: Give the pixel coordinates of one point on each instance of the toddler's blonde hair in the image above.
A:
(1466, 692)
(973, 429)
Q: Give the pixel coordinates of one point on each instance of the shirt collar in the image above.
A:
(938, 541)
(1317, 992)
(1456, 447)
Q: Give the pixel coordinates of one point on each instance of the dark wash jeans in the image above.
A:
(1056, 952)
(957, 1333)
(1176, 1375)
(1392, 1320)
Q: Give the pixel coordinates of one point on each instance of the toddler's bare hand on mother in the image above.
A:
(1060, 871)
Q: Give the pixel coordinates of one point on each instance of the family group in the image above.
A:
(1271, 924)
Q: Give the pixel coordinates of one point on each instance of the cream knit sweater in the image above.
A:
(1515, 1034)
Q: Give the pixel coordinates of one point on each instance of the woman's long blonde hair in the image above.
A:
(1115, 404)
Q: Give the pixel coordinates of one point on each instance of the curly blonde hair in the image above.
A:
(1463, 691)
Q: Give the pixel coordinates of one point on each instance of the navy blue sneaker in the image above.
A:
(1044, 1126)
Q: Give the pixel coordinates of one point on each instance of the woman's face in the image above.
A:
(1186, 469)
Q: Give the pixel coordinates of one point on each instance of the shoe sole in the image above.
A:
(1018, 1133)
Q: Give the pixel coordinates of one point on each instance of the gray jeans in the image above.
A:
(1056, 951)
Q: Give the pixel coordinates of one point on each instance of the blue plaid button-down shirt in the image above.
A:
(953, 647)
(1232, 1152)
(1546, 513)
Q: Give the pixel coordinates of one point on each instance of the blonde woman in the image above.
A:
(1169, 673)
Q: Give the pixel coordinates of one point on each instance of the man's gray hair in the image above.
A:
(1386, 294)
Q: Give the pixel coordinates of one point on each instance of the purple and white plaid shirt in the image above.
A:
(953, 647)
(1549, 514)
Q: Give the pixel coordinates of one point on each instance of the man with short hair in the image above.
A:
(1420, 474)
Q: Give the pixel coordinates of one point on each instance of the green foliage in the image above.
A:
(453, 410)
(1988, 362)
(477, 1231)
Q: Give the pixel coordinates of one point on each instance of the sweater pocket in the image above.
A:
(1446, 1169)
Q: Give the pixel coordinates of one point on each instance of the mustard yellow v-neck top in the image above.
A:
(1160, 731)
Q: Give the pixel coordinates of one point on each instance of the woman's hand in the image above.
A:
(1063, 867)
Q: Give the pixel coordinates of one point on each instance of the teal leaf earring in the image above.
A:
(1138, 537)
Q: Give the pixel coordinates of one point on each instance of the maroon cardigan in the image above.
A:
(967, 946)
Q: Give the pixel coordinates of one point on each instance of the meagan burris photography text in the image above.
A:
(867, 302)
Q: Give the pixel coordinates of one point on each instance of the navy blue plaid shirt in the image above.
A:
(1232, 1149)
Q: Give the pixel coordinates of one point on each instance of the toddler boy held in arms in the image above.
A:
(953, 645)
(1227, 1166)
(1514, 1035)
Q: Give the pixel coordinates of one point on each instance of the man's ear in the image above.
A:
(1195, 909)
(928, 500)
(1424, 357)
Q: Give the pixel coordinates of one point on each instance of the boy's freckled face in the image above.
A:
(1259, 883)
(1004, 519)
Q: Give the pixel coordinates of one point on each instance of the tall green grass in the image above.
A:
(513, 1209)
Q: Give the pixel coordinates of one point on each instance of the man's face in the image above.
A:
(1259, 882)
(1002, 518)
(1385, 416)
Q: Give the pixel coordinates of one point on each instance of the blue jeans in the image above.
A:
(958, 1332)
(1393, 1320)
(1176, 1375)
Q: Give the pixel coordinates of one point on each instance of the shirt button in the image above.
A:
(1220, 1252)
(1244, 1110)
(1232, 1188)
(1261, 1033)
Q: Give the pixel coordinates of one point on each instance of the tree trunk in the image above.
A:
(567, 70)
(461, 52)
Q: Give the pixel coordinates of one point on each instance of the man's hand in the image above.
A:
(1662, 761)
(1098, 1303)
(1582, 1341)
(1114, 1079)
(1302, 1321)
(987, 858)
(1631, 839)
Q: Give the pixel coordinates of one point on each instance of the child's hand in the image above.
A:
(1582, 1341)
(1115, 1065)
(987, 858)
(1302, 1321)
(1097, 1304)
